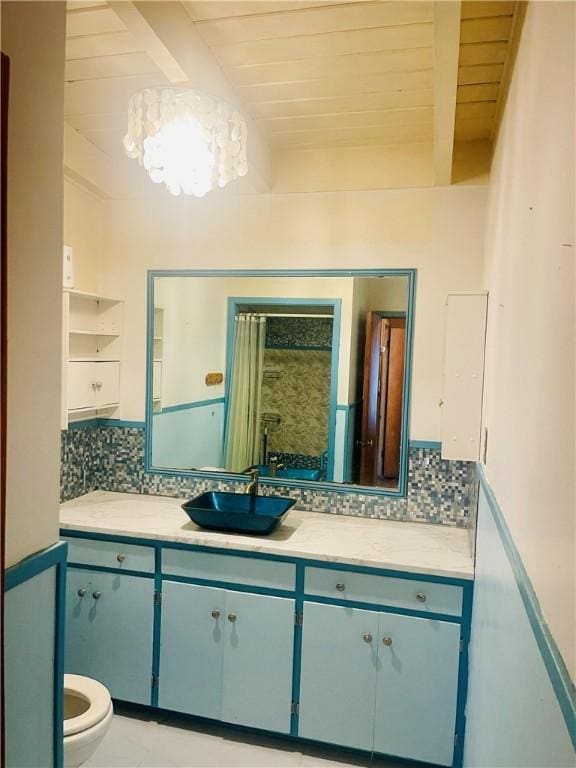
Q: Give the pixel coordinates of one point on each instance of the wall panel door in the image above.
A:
(463, 375)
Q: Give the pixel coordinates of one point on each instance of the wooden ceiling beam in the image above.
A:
(446, 53)
(147, 38)
(169, 36)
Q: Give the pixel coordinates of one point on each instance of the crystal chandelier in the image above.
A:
(185, 139)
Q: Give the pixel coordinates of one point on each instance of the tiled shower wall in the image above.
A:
(111, 458)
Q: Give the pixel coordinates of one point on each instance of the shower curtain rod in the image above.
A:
(287, 314)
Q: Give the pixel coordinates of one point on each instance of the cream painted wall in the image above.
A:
(391, 294)
(439, 231)
(529, 384)
(33, 37)
(196, 323)
(83, 223)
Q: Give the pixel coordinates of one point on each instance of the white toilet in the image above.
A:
(87, 716)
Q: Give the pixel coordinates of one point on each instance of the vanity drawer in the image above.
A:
(110, 554)
(229, 568)
(384, 590)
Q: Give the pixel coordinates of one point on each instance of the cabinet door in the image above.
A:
(109, 638)
(258, 660)
(78, 653)
(417, 686)
(107, 383)
(191, 649)
(123, 622)
(338, 677)
(81, 392)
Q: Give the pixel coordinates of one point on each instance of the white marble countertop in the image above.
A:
(414, 547)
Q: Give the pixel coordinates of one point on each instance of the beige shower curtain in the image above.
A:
(243, 434)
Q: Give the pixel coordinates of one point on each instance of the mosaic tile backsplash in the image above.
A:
(111, 458)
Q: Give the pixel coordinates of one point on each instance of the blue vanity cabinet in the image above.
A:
(191, 649)
(338, 675)
(417, 688)
(379, 681)
(227, 655)
(258, 661)
(109, 631)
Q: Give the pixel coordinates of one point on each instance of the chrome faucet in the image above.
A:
(252, 487)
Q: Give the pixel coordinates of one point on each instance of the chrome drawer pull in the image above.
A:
(421, 597)
(340, 587)
(387, 640)
(215, 614)
(367, 637)
(81, 592)
(232, 617)
(121, 557)
(96, 595)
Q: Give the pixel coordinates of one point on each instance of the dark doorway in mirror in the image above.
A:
(378, 450)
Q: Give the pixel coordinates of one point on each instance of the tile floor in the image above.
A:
(142, 740)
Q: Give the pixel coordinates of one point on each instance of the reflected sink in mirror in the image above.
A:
(238, 512)
(289, 473)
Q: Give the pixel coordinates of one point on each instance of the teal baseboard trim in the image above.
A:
(195, 404)
(34, 564)
(431, 445)
(557, 671)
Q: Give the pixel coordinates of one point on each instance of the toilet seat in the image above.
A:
(96, 696)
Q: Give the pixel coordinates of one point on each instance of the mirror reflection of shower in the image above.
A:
(327, 396)
(279, 393)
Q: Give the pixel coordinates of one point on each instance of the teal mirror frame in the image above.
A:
(332, 487)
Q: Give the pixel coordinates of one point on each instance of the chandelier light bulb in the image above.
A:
(186, 140)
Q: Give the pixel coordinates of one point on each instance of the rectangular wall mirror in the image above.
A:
(302, 375)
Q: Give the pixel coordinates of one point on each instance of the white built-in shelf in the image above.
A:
(91, 408)
(75, 332)
(158, 357)
(92, 354)
(93, 359)
(94, 297)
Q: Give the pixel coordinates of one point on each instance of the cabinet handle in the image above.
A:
(421, 597)
(340, 587)
(367, 637)
(120, 557)
(387, 640)
(81, 592)
(232, 617)
(215, 614)
(96, 595)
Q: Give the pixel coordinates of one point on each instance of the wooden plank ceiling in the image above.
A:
(312, 73)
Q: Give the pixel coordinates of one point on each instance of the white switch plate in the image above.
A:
(68, 271)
